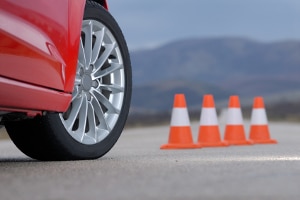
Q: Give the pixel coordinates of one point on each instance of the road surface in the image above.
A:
(137, 169)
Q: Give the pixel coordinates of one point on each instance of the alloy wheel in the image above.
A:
(99, 86)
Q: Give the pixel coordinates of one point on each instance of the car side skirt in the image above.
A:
(31, 98)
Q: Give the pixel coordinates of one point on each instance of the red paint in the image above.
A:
(38, 52)
(16, 95)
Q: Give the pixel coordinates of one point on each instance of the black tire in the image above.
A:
(46, 137)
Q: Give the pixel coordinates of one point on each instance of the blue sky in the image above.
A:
(152, 23)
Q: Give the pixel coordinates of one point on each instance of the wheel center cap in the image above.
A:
(86, 82)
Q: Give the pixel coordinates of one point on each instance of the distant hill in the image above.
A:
(159, 96)
(221, 66)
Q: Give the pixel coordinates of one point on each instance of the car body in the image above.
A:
(65, 77)
(38, 54)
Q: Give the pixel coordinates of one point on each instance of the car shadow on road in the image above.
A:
(17, 160)
(31, 160)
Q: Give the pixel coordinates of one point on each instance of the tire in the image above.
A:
(100, 99)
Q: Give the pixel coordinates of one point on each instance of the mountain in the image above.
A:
(159, 96)
(221, 66)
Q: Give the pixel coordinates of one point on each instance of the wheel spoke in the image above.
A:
(82, 117)
(103, 129)
(100, 115)
(112, 68)
(81, 54)
(110, 107)
(75, 93)
(92, 121)
(88, 30)
(104, 56)
(76, 105)
(112, 88)
(97, 46)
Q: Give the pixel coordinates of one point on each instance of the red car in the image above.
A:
(65, 78)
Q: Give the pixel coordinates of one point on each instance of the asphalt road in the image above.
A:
(137, 169)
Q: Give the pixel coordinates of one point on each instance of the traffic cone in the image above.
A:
(209, 134)
(234, 130)
(180, 136)
(259, 130)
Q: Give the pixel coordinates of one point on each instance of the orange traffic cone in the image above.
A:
(259, 130)
(180, 136)
(209, 134)
(234, 130)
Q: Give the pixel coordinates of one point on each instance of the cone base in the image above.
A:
(214, 144)
(181, 146)
(209, 136)
(260, 134)
(242, 142)
(235, 135)
(269, 141)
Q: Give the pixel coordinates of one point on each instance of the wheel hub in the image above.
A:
(87, 82)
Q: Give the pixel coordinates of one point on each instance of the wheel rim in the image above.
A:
(99, 86)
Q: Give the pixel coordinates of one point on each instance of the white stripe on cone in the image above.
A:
(208, 117)
(259, 117)
(180, 117)
(234, 116)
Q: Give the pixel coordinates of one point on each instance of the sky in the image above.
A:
(148, 24)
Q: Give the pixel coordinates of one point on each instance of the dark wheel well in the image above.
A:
(102, 3)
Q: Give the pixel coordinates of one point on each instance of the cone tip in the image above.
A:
(208, 101)
(179, 101)
(234, 102)
(258, 102)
